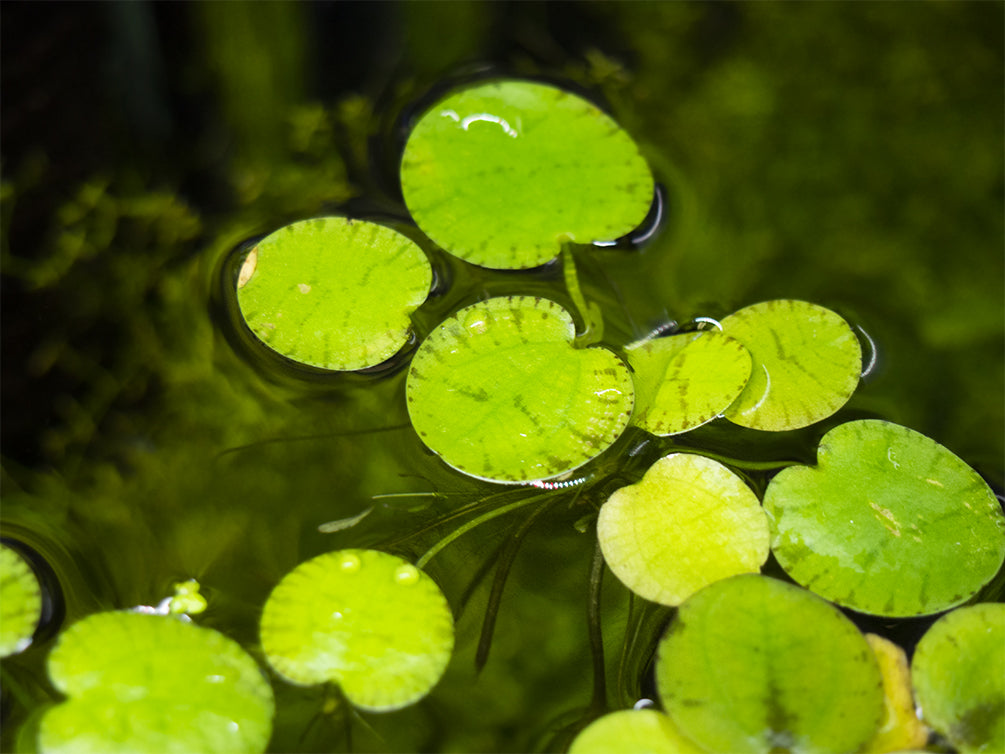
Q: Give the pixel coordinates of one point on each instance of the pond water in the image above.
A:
(845, 154)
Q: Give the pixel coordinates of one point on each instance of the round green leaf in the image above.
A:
(683, 381)
(500, 392)
(371, 622)
(332, 292)
(644, 731)
(20, 602)
(751, 664)
(884, 521)
(806, 364)
(147, 683)
(502, 174)
(689, 521)
(959, 677)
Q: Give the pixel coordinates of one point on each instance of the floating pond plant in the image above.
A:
(503, 173)
(752, 664)
(501, 393)
(900, 729)
(689, 522)
(959, 677)
(632, 732)
(20, 602)
(507, 175)
(806, 364)
(883, 521)
(685, 380)
(368, 621)
(138, 682)
(333, 292)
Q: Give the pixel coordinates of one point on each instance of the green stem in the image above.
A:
(464, 510)
(593, 318)
(465, 528)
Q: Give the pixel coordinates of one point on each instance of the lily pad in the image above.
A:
(644, 731)
(689, 521)
(371, 622)
(683, 381)
(806, 364)
(884, 520)
(752, 664)
(500, 392)
(332, 292)
(900, 729)
(148, 683)
(959, 677)
(502, 174)
(20, 602)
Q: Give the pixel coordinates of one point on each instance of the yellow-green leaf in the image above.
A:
(332, 292)
(501, 393)
(806, 364)
(371, 622)
(689, 521)
(503, 173)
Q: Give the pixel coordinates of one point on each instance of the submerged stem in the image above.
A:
(737, 462)
(464, 510)
(506, 559)
(599, 700)
(465, 528)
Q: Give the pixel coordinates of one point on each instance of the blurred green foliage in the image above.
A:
(847, 154)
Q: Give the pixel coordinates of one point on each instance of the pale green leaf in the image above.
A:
(645, 731)
(371, 622)
(884, 520)
(503, 173)
(500, 392)
(689, 521)
(332, 292)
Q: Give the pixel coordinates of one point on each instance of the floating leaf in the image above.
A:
(751, 664)
(502, 174)
(20, 602)
(683, 381)
(148, 683)
(883, 522)
(689, 521)
(500, 392)
(959, 677)
(900, 729)
(633, 732)
(371, 622)
(332, 292)
(806, 364)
